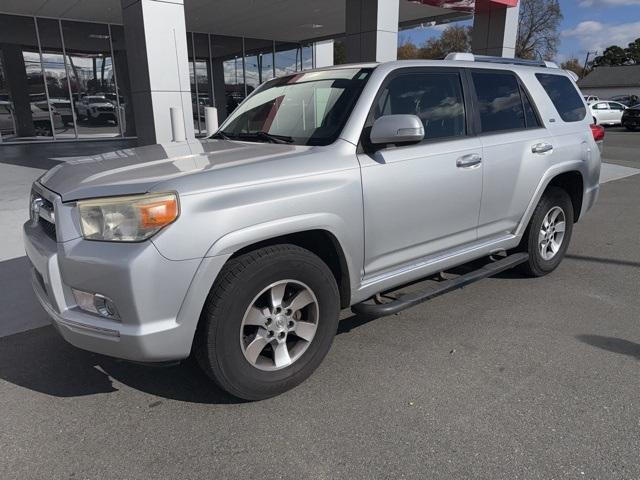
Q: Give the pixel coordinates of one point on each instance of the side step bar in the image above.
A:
(414, 298)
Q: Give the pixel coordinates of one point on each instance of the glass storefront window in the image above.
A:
(21, 82)
(307, 57)
(63, 79)
(53, 64)
(201, 86)
(228, 73)
(92, 79)
(258, 62)
(287, 57)
(123, 84)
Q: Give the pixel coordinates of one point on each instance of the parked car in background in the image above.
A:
(322, 190)
(40, 117)
(590, 98)
(62, 106)
(631, 118)
(42, 120)
(627, 100)
(7, 123)
(95, 109)
(607, 112)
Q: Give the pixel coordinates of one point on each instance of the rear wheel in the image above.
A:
(268, 321)
(549, 232)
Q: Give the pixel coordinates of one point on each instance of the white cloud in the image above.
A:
(594, 35)
(609, 3)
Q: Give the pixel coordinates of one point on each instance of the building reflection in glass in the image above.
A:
(66, 80)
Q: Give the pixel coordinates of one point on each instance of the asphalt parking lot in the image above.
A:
(508, 378)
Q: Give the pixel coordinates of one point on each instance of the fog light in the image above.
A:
(96, 303)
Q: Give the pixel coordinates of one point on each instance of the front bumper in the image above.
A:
(159, 300)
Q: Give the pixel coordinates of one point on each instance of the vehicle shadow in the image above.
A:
(612, 344)
(42, 361)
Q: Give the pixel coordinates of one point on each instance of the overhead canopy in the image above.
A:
(286, 20)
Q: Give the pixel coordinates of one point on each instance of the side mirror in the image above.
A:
(397, 129)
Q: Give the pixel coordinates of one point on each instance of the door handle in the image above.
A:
(468, 161)
(541, 148)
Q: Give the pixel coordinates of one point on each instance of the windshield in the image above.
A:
(304, 109)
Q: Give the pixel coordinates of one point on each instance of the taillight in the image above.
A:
(597, 131)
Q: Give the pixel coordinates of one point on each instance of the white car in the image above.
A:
(607, 112)
(96, 108)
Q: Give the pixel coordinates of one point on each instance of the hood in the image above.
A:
(139, 170)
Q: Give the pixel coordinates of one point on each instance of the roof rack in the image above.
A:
(470, 57)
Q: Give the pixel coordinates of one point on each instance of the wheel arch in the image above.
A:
(569, 176)
(571, 182)
(322, 243)
(324, 234)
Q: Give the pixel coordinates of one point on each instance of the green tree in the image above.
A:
(612, 56)
(538, 23)
(339, 52)
(633, 51)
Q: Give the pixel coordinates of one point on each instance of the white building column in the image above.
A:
(495, 31)
(323, 53)
(372, 30)
(156, 38)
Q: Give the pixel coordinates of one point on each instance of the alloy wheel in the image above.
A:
(279, 325)
(551, 233)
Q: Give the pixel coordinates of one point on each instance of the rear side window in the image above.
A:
(499, 101)
(564, 96)
(530, 116)
(436, 98)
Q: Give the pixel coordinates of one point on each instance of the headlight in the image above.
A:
(127, 219)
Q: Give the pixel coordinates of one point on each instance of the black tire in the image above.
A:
(537, 266)
(217, 344)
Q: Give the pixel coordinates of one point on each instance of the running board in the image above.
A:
(414, 298)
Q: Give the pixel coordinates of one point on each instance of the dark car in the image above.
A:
(627, 100)
(631, 118)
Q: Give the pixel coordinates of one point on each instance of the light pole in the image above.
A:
(586, 62)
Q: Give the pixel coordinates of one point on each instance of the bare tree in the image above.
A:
(538, 24)
(574, 65)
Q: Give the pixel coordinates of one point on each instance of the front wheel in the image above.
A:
(268, 321)
(547, 237)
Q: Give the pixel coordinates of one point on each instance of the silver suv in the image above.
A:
(323, 190)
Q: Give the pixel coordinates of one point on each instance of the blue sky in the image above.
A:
(588, 25)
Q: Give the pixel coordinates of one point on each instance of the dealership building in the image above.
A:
(74, 70)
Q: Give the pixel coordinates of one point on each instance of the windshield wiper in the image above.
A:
(220, 134)
(272, 138)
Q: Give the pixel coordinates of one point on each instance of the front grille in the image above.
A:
(105, 109)
(48, 228)
(45, 216)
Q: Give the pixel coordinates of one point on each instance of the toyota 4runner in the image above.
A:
(321, 191)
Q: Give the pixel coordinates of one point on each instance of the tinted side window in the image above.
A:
(499, 101)
(615, 106)
(436, 98)
(564, 96)
(529, 113)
